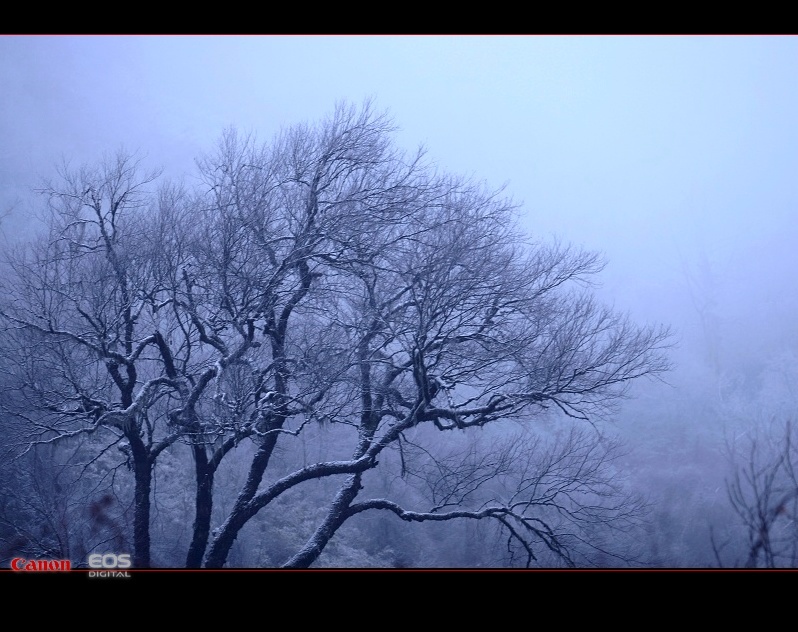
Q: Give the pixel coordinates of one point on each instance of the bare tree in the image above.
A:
(328, 286)
(82, 325)
(702, 286)
(763, 493)
(396, 297)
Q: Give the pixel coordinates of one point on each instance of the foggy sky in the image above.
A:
(661, 152)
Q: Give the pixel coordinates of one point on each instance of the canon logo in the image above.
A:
(21, 564)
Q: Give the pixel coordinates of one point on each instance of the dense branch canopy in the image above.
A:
(325, 277)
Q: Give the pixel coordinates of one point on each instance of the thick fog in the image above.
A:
(675, 158)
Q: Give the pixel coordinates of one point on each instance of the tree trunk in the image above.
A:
(242, 511)
(142, 470)
(335, 518)
(203, 507)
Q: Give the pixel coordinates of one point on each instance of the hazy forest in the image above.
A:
(327, 351)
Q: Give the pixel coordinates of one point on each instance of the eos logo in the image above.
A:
(109, 561)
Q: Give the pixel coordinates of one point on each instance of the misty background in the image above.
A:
(675, 157)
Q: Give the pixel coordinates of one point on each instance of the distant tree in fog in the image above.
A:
(763, 493)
